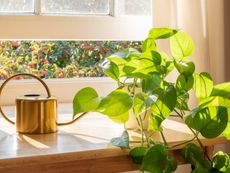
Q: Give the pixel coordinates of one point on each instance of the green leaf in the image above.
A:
(192, 154)
(115, 104)
(221, 161)
(120, 63)
(203, 85)
(181, 45)
(166, 102)
(122, 142)
(209, 121)
(138, 154)
(148, 45)
(130, 69)
(120, 119)
(85, 100)
(222, 90)
(162, 108)
(146, 66)
(142, 102)
(214, 101)
(184, 83)
(185, 68)
(161, 33)
(182, 101)
(156, 160)
(154, 124)
(111, 70)
(151, 83)
(131, 65)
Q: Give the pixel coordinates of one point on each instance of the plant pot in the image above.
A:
(132, 124)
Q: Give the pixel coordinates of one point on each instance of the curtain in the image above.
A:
(203, 20)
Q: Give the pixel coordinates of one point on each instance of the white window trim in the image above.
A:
(72, 27)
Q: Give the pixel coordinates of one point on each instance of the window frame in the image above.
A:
(30, 27)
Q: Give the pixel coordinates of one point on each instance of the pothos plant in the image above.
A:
(147, 70)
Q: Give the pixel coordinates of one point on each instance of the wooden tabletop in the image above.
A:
(80, 147)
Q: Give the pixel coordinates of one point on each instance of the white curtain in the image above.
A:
(203, 20)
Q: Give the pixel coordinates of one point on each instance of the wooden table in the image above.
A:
(81, 147)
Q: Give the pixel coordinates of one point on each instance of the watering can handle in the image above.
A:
(48, 93)
(20, 74)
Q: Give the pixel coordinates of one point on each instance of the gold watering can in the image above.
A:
(35, 113)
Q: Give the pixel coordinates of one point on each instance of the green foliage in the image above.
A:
(192, 154)
(203, 85)
(144, 89)
(221, 162)
(181, 45)
(156, 160)
(209, 121)
(115, 105)
(222, 90)
(138, 154)
(164, 105)
(85, 100)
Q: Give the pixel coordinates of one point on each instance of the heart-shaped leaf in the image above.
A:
(111, 70)
(115, 104)
(121, 119)
(192, 154)
(184, 83)
(161, 33)
(209, 121)
(166, 102)
(156, 160)
(138, 154)
(181, 45)
(221, 161)
(85, 100)
(185, 68)
(203, 85)
(122, 142)
(222, 90)
(148, 45)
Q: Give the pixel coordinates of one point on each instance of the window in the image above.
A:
(61, 20)
(77, 7)
(75, 19)
(16, 6)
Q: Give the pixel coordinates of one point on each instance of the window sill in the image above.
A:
(80, 147)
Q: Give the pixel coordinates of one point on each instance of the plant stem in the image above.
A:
(163, 137)
(200, 143)
(183, 143)
(195, 135)
(142, 135)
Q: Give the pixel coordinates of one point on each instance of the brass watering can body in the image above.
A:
(35, 113)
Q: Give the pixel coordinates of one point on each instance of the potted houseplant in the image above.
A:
(144, 89)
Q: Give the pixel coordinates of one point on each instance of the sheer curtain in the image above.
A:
(203, 20)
